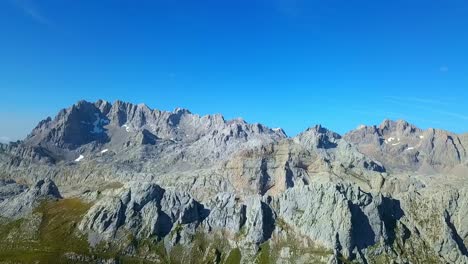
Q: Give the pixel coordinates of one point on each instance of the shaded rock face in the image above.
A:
(340, 217)
(81, 124)
(9, 188)
(402, 146)
(18, 200)
(438, 217)
(260, 221)
(146, 210)
(226, 213)
(142, 209)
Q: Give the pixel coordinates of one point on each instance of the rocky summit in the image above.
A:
(122, 183)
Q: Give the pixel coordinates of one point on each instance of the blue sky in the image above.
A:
(290, 64)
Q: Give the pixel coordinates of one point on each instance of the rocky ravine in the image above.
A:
(122, 183)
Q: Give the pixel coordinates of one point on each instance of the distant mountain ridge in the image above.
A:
(123, 181)
(401, 145)
(102, 123)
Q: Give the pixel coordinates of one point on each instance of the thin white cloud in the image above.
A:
(30, 9)
(425, 104)
(421, 100)
(453, 114)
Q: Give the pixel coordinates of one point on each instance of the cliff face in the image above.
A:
(154, 186)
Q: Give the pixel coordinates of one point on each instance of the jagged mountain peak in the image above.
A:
(319, 129)
(180, 110)
(90, 126)
(401, 126)
(402, 146)
(318, 137)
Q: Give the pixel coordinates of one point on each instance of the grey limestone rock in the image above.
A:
(17, 200)
(143, 209)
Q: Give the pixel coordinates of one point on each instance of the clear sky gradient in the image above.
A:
(284, 63)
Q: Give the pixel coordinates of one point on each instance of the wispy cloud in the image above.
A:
(394, 116)
(420, 100)
(31, 9)
(453, 114)
(426, 104)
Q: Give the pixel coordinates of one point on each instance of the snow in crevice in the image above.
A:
(410, 148)
(104, 151)
(394, 144)
(153, 127)
(421, 137)
(79, 158)
(127, 128)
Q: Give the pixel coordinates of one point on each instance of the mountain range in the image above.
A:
(122, 183)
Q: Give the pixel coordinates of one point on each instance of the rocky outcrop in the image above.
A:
(141, 209)
(438, 217)
(227, 212)
(18, 200)
(339, 217)
(146, 210)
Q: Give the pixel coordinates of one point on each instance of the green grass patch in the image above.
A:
(263, 256)
(56, 234)
(234, 257)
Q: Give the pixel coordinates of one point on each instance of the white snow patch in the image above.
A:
(398, 139)
(104, 151)
(79, 158)
(127, 128)
(361, 126)
(394, 144)
(410, 148)
(421, 137)
(390, 139)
